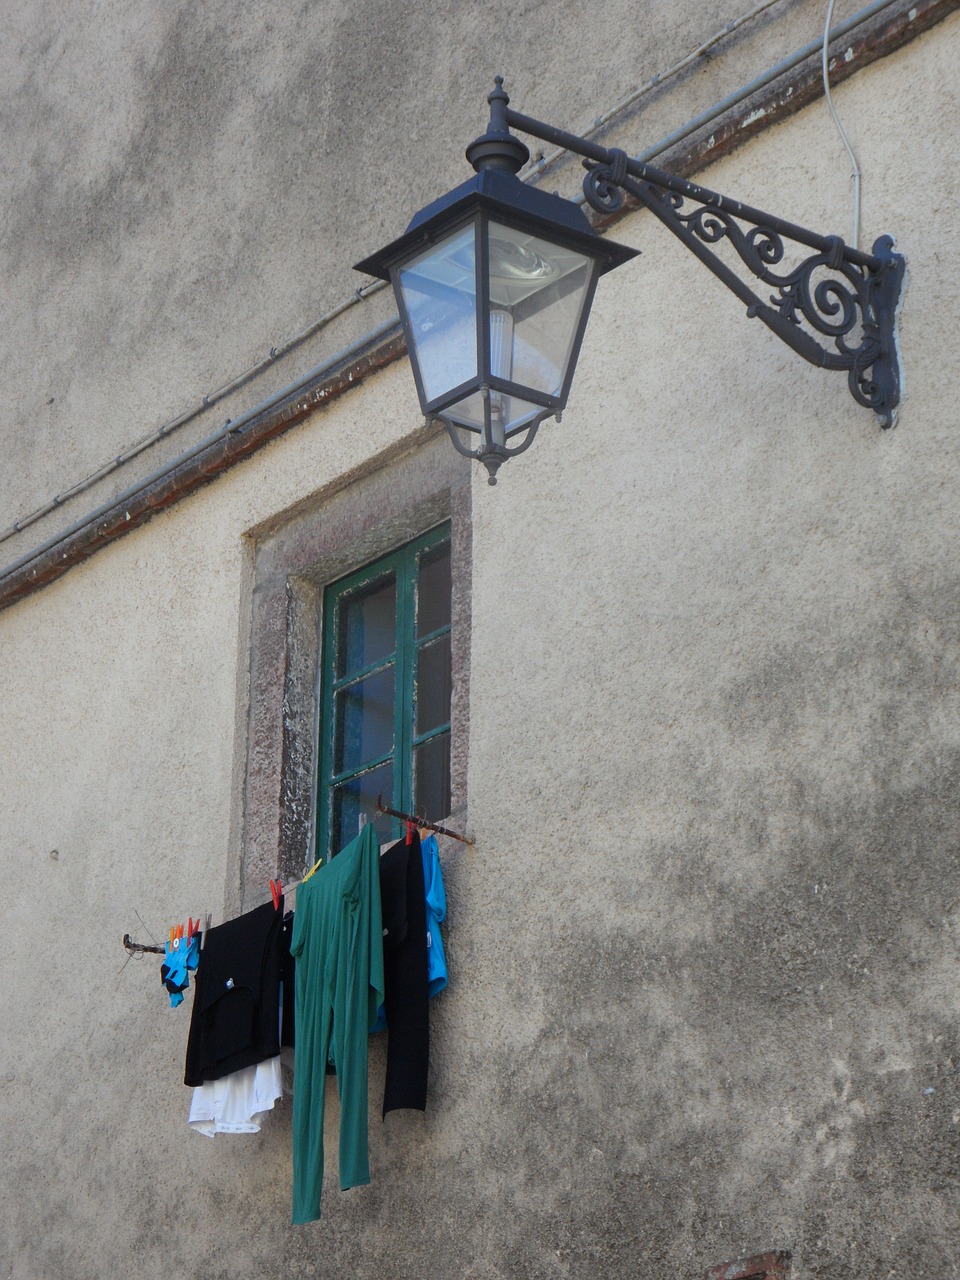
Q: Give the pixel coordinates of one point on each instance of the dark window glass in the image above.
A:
(433, 590)
(367, 626)
(433, 685)
(432, 768)
(365, 720)
(354, 803)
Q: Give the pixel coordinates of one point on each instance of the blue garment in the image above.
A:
(436, 911)
(179, 957)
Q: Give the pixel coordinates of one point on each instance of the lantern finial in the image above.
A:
(498, 148)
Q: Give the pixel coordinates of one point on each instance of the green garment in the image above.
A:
(338, 943)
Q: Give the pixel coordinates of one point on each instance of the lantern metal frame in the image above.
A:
(837, 308)
(495, 197)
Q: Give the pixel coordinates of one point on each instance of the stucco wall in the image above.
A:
(703, 958)
(187, 187)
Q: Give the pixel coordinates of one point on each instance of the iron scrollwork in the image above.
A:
(847, 298)
(603, 184)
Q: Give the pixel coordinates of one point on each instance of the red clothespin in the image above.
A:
(409, 832)
(276, 892)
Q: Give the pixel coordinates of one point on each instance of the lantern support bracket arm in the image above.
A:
(837, 308)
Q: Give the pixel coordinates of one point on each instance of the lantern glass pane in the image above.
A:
(439, 294)
(538, 290)
(517, 412)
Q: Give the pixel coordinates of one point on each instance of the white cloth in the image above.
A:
(238, 1102)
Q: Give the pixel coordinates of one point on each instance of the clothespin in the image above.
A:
(276, 891)
(409, 832)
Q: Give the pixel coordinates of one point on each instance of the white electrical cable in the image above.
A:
(855, 167)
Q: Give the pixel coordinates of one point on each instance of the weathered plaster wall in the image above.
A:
(187, 187)
(704, 956)
(733, 834)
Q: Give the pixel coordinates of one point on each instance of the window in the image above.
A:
(385, 692)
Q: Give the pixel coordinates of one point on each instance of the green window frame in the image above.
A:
(385, 692)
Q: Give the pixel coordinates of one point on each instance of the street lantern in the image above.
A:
(494, 283)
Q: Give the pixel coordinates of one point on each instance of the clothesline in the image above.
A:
(362, 952)
(422, 822)
(138, 948)
(135, 948)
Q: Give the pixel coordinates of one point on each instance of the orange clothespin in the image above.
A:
(276, 892)
(409, 832)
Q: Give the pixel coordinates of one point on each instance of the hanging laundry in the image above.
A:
(393, 895)
(180, 958)
(405, 977)
(288, 979)
(236, 1103)
(338, 946)
(236, 1009)
(436, 902)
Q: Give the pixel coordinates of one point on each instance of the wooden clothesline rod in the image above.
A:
(422, 822)
(137, 948)
(134, 947)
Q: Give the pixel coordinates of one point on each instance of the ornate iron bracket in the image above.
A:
(837, 308)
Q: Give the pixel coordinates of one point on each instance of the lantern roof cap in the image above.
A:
(503, 195)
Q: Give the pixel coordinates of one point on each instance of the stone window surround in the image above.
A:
(393, 500)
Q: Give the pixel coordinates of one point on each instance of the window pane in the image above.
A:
(431, 766)
(367, 626)
(364, 720)
(358, 798)
(433, 685)
(433, 590)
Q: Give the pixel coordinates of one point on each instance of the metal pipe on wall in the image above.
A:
(774, 73)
